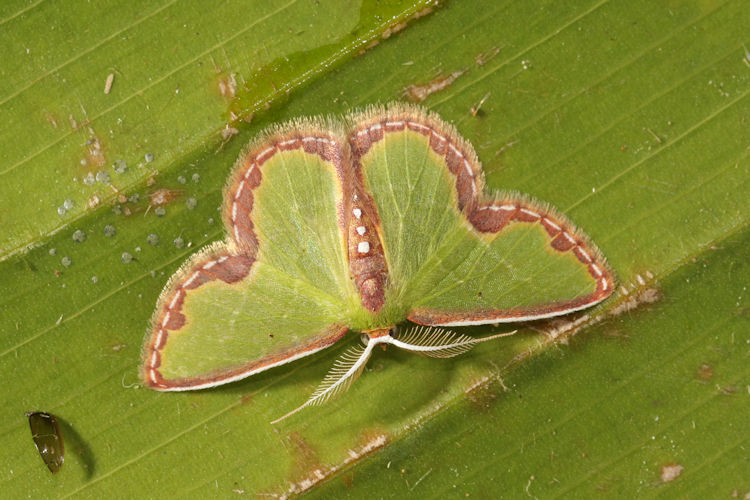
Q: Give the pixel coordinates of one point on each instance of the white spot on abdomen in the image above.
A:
(363, 247)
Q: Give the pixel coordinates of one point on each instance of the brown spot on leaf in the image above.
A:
(561, 329)
(305, 457)
(94, 150)
(51, 119)
(419, 93)
(227, 132)
(632, 300)
(393, 29)
(670, 472)
(348, 480)
(227, 85)
(728, 390)
(163, 196)
(312, 472)
(94, 201)
(483, 393)
(369, 440)
(485, 57)
(705, 372)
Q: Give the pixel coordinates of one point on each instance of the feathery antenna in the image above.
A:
(345, 370)
(439, 342)
(425, 340)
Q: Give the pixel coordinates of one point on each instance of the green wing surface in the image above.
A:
(457, 256)
(277, 290)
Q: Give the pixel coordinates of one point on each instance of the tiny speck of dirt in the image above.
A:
(705, 372)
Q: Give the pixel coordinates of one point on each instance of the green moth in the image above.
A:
(362, 224)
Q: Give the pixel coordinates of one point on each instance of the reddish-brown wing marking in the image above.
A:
(231, 262)
(238, 195)
(487, 215)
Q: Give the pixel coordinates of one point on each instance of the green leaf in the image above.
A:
(183, 75)
(629, 118)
